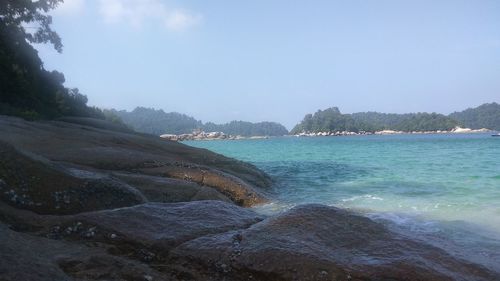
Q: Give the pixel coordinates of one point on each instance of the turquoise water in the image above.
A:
(444, 189)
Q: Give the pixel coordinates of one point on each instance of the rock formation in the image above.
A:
(85, 201)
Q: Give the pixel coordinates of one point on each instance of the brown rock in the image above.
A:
(170, 190)
(91, 146)
(314, 242)
(232, 187)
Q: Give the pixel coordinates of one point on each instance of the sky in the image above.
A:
(277, 60)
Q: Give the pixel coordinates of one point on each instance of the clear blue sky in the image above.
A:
(278, 60)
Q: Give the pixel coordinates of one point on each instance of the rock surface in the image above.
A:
(315, 242)
(119, 244)
(79, 158)
(34, 183)
(149, 231)
(26, 257)
(214, 240)
(153, 188)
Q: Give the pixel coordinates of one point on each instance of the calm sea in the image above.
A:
(444, 189)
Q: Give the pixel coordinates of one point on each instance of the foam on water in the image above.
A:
(444, 189)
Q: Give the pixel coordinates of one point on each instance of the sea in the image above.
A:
(443, 189)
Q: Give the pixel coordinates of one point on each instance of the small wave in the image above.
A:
(273, 208)
(415, 223)
(459, 238)
(366, 196)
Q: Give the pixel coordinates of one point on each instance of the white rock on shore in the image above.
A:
(200, 135)
(456, 130)
(388, 132)
(336, 133)
(459, 130)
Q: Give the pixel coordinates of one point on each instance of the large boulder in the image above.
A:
(149, 231)
(91, 146)
(315, 242)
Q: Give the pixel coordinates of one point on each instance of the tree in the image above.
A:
(26, 88)
(332, 120)
(15, 13)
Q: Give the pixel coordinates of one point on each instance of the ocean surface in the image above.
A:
(443, 189)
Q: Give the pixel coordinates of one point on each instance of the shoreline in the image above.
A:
(457, 130)
(213, 136)
(197, 136)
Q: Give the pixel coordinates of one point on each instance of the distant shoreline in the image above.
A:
(456, 130)
(200, 135)
(209, 136)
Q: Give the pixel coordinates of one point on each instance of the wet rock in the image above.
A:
(315, 242)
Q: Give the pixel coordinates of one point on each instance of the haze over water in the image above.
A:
(444, 189)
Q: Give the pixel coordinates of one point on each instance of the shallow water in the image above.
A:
(444, 189)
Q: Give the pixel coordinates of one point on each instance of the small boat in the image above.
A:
(496, 135)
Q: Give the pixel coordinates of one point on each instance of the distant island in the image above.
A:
(159, 122)
(180, 127)
(332, 121)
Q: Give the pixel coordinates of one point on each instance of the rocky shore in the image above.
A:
(456, 130)
(201, 135)
(84, 200)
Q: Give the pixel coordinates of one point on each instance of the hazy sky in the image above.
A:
(278, 60)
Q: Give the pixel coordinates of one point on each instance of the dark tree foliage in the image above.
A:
(483, 116)
(26, 88)
(14, 13)
(157, 122)
(407, 122)
(380, 121)
(328, 120)
(426, 122)
(332, 120)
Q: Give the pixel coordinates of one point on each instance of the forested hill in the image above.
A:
(408, 122)
(157, 122)
(331, 119)
(483, 116)
(247, 129)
